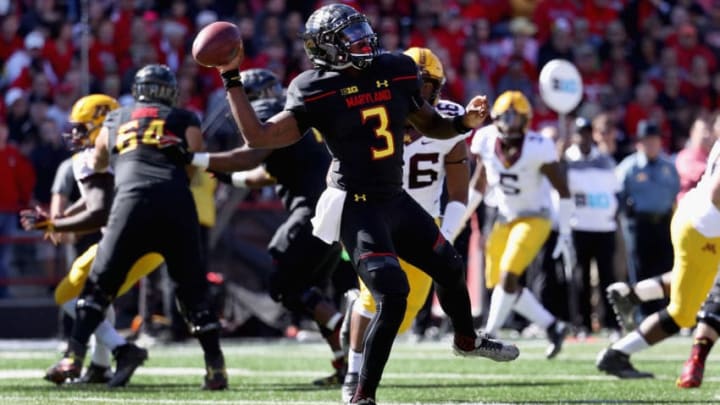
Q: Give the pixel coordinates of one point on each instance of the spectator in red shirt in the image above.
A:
(599, 15)
(59, 50)
(645, 107)
(549, 11)
(10, 41)
(18, 181)
(691, 161)
(687, 48)
(595, 81)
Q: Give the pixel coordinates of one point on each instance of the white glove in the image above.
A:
(454, 211)
(566, 248)
(564, 245)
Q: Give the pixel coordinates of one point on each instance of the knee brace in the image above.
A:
(384, 276)
(303, 302)
(667, 323)
(710, 311)
(199, 320)
(93, 298)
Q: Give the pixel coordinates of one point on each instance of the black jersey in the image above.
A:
(300, 170)
(362, 118)
(143, 140)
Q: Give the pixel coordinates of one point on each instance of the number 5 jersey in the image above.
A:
(517, 186)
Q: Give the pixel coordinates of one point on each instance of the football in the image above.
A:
(217, 44)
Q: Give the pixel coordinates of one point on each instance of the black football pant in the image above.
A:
(300, 262)
(653, 252)
(601, 247)
(375, 232)
(161, 219)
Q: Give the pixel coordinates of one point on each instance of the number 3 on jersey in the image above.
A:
(381, 131)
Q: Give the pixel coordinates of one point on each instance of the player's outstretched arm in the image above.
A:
(98, 200)
(238, 159)
(555, 174)
(429, 122)
(253, 179)
(478, 184)
(457, 172)
(278, 131)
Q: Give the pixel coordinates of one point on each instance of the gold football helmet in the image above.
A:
(86, 118)
(511, 114)
(431, 69)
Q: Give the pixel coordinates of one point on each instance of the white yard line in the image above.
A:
(94, 400)
(240, 372)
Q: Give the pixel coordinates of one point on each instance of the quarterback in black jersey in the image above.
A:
(361, 101)
(152, 211)
(301, 262)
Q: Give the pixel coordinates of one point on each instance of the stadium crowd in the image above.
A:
(649, 70)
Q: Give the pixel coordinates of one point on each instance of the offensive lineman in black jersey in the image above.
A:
(360, 101)
(301, 262)
(153, 211)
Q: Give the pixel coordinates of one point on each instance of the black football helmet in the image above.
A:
(261, 84)
(337, 36)
(155, 83)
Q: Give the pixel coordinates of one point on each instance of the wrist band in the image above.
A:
(459, 126)
(201, 160)
(231, 79)
(239, 179)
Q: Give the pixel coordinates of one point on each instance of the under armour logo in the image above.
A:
(381, 83)
(360, 197)
(709, 247)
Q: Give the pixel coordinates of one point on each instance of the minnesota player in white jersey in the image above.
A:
(89, 213)
(514, 162)
(695, 231)
(428, 163)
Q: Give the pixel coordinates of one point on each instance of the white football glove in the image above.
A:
(564, 245)
(565, 248)
(452, 218)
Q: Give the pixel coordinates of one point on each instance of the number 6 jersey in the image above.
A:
(424, 172)
(517, 187)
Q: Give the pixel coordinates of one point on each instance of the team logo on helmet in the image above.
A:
(337, 37)
(511, 114)
(261, 84)
(155, 83)
(86, 119)
(431, 69)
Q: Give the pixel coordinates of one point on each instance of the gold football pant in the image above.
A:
(419, 283)
(512, 247)
(71, 286)
(694, 269)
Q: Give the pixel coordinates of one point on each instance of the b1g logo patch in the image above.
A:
(349, 90)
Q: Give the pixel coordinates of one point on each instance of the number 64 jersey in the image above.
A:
(424, 159)
(516, 185)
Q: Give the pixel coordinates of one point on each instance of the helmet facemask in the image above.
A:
(350, 42)
(511, 124)
(77, 135)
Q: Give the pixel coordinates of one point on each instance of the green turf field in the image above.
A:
(280, 373)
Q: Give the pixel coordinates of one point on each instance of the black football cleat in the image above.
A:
(617, 363)
(128, 357)
(556, 334)
(216, 375)
(623, 301)
(364, 401)
(335, 379)
(349, 387)
(95, 374)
